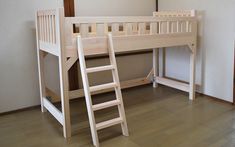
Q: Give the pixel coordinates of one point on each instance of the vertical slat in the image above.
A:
(160, 27)
(50, 29)
(178, 27)
(168, 27)
(172, 27)
(187, 26)
(84, 30)
(142, 28)
(106, 28)
(115, 28)
(93, 27)
(100, 29)
(40, 28)
(124, 25)
(47, 28)
(135, 27)
(129, 30)
(153, 28)
(182, 26)
(43, 28)
(190, 26)
(53, 28)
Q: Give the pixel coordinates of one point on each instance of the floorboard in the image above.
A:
(161, 117)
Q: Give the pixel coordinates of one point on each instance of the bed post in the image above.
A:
(155, 66)
(40, 57)
(193, 48)
(63, 73)
(192, 73)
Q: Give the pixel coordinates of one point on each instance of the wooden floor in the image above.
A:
(161, 117)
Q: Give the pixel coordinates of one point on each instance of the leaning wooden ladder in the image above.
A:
(87, 91)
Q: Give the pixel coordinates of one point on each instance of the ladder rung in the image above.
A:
(109, 123)
(105, 105)
(101, 68)
(102, 87)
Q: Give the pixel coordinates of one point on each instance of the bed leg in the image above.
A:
(155, 67)
(64, 93)
(42, 87)
(192, 73)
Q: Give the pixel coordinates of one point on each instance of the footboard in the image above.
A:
(48, 31)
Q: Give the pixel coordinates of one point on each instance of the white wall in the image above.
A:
(114, 7)
(216, 46)
(18, 60)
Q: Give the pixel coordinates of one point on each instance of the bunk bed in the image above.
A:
(58, 35)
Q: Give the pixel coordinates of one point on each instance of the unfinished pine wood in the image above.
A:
(118, 91)
(63, 74)
(115, 84)
(86, 86)
(55, 35)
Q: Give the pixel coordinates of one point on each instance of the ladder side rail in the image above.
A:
(118, 88)
(87, 92)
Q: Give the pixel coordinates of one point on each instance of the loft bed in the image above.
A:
(57, 35)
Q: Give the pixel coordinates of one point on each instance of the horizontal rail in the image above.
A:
(53, 110)
(175, 13)
(99, 45)
(124, 85)
(172, 83)
(49, 48)
(46, 12)
(125, 19)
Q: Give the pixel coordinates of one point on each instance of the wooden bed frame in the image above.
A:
(56, 35)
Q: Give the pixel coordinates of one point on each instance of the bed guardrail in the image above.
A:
(100, 26)
(94, 30)
(51, 24)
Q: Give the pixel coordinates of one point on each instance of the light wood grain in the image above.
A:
(55, 36)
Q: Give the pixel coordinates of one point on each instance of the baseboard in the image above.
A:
(20, 110)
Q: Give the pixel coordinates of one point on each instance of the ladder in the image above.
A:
(87, 92)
